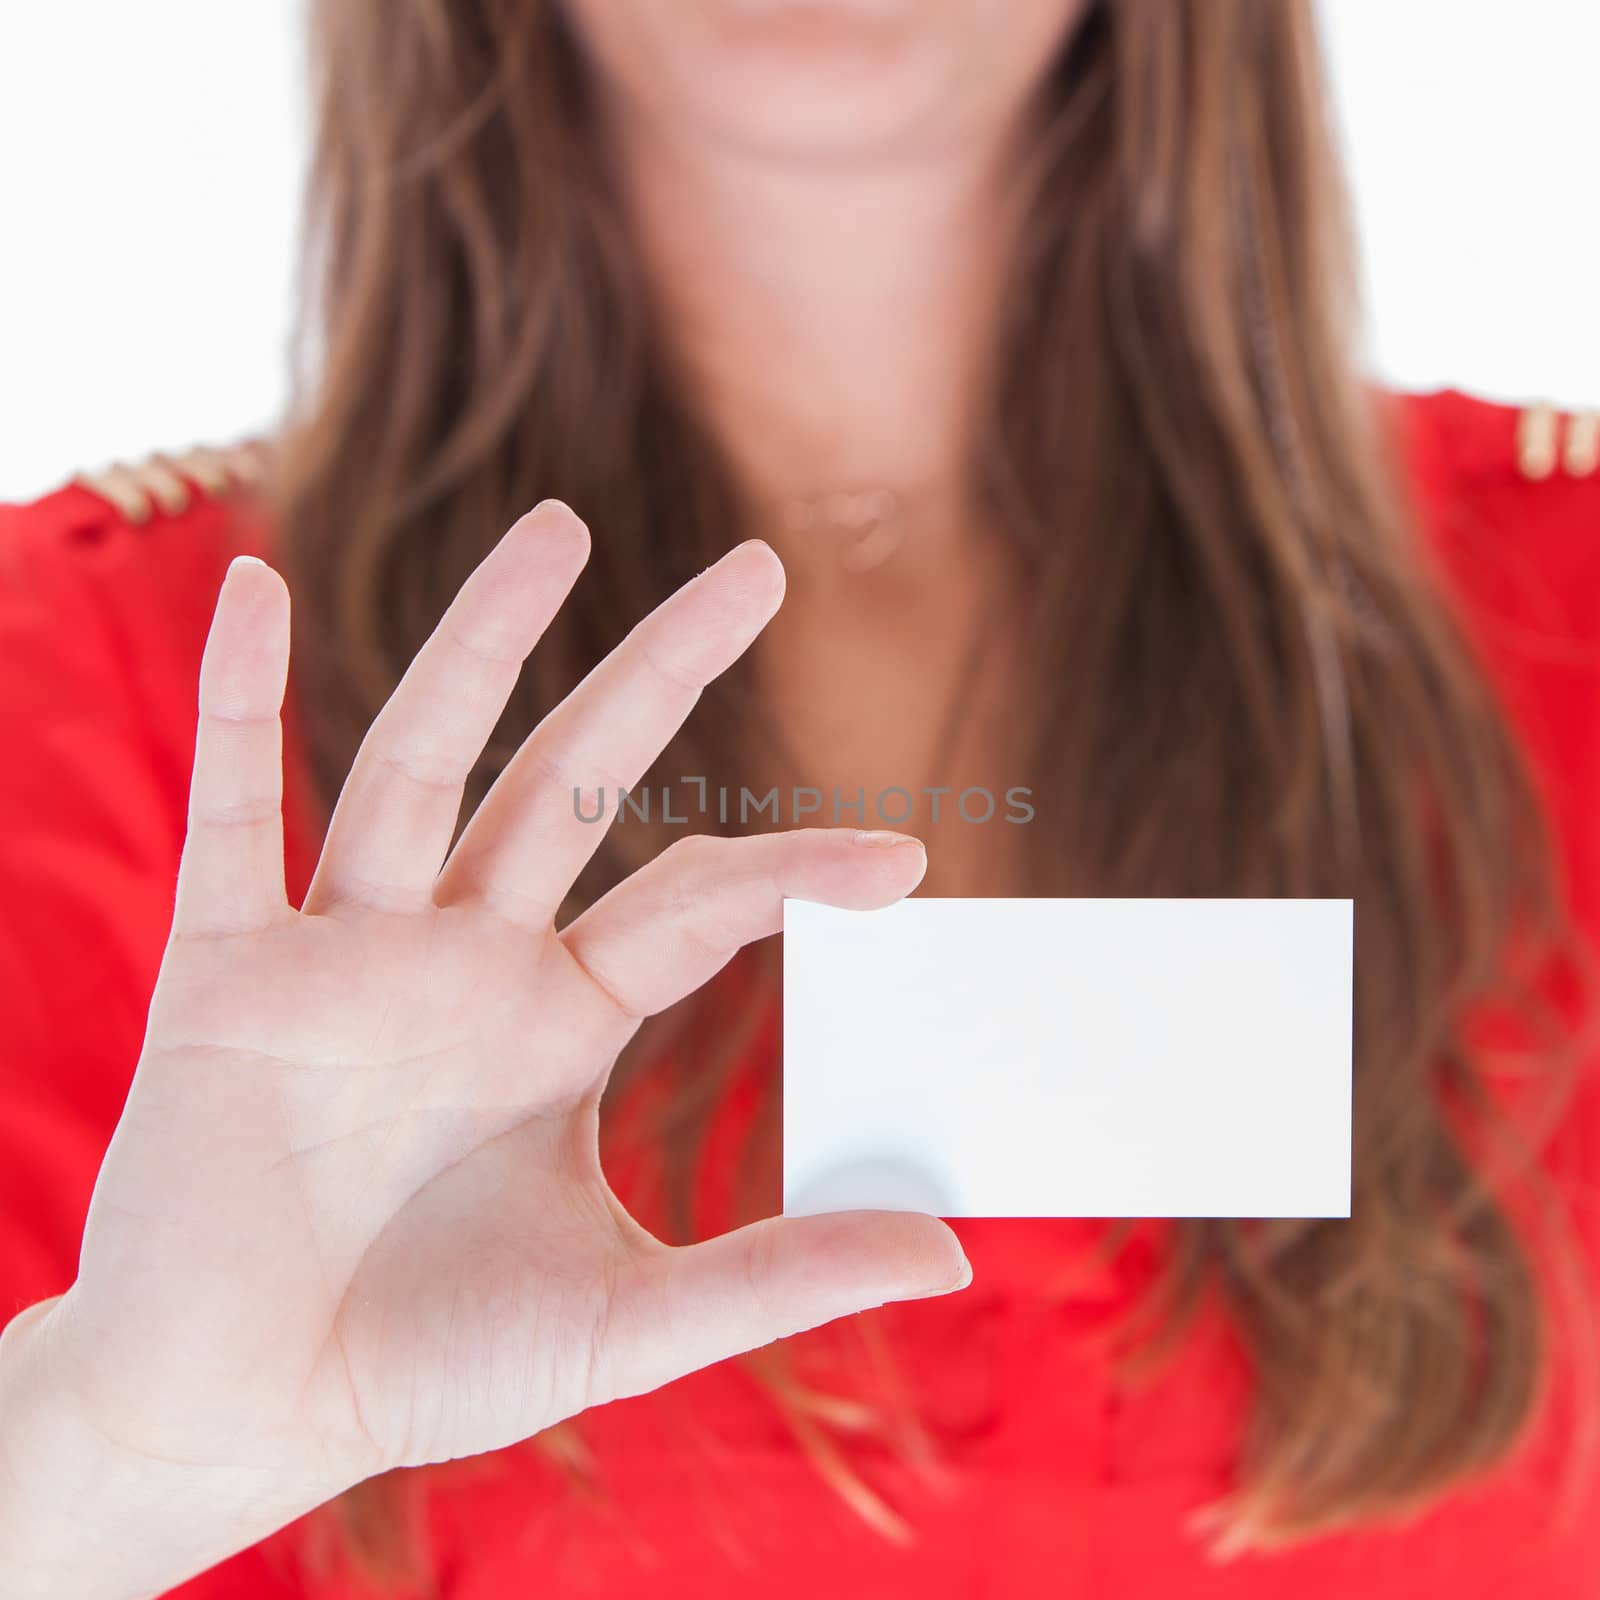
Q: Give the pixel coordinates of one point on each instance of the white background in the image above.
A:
(151, 154)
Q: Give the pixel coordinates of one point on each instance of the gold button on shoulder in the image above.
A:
(1582, 456)
(166, 484)
(1538, 441)
(123, 487)
(206, 467)
(170, 484)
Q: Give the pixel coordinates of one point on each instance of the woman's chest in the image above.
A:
(1033, 1471)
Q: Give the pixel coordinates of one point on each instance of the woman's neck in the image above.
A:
(832, 321)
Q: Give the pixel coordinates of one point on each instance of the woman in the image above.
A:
(1015, 363)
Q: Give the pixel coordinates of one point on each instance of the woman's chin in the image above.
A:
(822, 79)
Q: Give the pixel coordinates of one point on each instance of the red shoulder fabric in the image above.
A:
(1051, 1476)
(91, 809)
(102, 623)
(1521, 556)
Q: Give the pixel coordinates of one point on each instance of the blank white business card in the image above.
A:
(1069, 1058)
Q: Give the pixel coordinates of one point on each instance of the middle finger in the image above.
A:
(526, 843)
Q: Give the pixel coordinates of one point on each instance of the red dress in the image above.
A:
(1057, 1477)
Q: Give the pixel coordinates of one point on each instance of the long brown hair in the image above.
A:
(1248, 681)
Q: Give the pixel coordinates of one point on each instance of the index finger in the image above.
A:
(398, 808)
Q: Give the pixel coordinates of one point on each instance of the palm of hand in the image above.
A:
(422, 1126)
(354, 1215)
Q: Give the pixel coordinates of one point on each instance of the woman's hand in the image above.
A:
(353, 1217)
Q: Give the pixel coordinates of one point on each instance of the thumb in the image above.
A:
(696, 1304)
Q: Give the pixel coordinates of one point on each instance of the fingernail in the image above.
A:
(965, 1278)
(238, 565)
(882, 839)
(728, 555)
